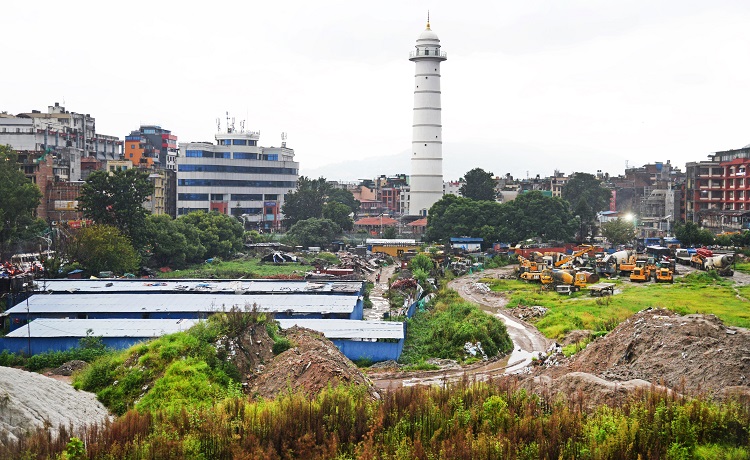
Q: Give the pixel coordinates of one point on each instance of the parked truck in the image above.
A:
(705, 259)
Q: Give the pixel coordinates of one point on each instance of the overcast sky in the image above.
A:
(528, 87)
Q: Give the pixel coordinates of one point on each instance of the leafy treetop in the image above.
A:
(20, 197)
(116, 199)
(478, 185)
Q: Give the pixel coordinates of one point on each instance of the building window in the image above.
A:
(247, 197)
(239, 142)
(192, 196)
(132, 146)
(226, 142)
(245, 156)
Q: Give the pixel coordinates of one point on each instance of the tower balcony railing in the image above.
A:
(428, 53)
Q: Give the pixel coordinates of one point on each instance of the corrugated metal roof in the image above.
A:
(146, 303)
(44, 327)
(349, 328)
(193, 285)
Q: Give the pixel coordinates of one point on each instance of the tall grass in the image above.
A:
(466, 420)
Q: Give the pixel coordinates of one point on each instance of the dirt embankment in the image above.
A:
(29, 401)
(310, 366)
(690, 354)
(695, 351)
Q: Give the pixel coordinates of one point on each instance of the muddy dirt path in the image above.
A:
(527, 341)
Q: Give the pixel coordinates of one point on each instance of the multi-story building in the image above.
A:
(51, 147)
(154, 148)
(717, 191)
(557, 182)
(236, 176)
(150, 146)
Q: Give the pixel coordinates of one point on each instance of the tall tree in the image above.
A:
(172, 242)
(587, 197)
(117, 199)
(618, 231)
(345, 197)
(478, 184)
(339, 213)
(306, 201)
(220, 234)
(20, 197)
(529, 215)
(103, 247)
(313, 232)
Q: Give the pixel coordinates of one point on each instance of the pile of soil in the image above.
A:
(68, 368)
(250, 351)
(526, 312)
(691, 353)
(311, 365)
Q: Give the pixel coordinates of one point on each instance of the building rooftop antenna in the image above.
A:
(242, 126)
(229, 127)
(283, 139)
(218, 124)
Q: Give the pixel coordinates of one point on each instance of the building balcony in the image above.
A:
(442, 55)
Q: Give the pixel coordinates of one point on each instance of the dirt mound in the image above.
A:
(250, 350)
(310, 366)
(576, 336)
(68, 368)
(29, 401)
(586, 390)
(697, 352)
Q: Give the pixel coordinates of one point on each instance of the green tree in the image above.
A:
(422, 262)
(173, 243)
(389, 233)
(314, 232)
(478, 185)
(530, 215)
(219, 234)
(117, 199)
(103, 248)
(587, 197)
(688, 233)
(20, 197)
(539, 216)
(345, 197)
(618, 231)
(339, 213)
(306, 201)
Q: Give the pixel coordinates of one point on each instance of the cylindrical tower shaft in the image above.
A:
(426, 181)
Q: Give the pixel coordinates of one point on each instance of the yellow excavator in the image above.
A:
(570, 258)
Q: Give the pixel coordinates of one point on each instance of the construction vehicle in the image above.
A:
(641, 272)
(664, 275)
(570, 259)
(567, 281)
(602, 289)
(705, 259)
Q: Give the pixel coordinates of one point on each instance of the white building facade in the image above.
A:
(237, 177)
(426, 180)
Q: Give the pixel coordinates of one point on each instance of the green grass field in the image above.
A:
(698, 293)
(243, 268)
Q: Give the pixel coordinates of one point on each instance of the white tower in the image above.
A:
(426, 182)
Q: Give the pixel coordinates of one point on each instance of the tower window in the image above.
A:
(425, 145)
(425, 78)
